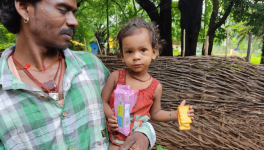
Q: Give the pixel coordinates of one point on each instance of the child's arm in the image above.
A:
(106, 92)
(164, 116)
(155, 112)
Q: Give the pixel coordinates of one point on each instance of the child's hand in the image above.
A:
(190, 112)
(112, 122)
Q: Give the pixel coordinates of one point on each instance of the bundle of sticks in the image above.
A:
(227, 95)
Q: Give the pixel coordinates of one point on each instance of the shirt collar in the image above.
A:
(8, 81)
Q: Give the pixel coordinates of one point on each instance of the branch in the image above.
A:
(213, 15)
(158, 6)
(135, 6)
(223, 19)
(140, 9)
(79, 3)
(151, 9)
(124, 14)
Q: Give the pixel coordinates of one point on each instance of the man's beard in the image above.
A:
(51, 44)
(54, 49)
(69, 31)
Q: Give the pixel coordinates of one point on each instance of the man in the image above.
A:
(49, 95)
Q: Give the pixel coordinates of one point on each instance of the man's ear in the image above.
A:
(154, 54)
(22, 9)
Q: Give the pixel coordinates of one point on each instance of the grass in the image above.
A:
(255, 58)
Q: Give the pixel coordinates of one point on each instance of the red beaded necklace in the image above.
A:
(50, 86)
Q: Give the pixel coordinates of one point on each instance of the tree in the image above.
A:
(162, 19)
(214, 24)
(251, 13)
(191, 16)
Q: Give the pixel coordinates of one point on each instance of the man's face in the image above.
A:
(53, 23)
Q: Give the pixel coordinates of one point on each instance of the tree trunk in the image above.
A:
(191, 16)
(262, 55)
(163, 21)
(203, 49)
(165, 18)
(213, 26)
(211, 42)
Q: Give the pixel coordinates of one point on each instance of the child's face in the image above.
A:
(138, 51)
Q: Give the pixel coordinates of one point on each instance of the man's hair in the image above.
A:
(9, 16)
(136, 23)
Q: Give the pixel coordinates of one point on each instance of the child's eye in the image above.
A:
(128, 52)
(143, 50)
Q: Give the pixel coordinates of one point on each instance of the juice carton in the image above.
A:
(125, 99)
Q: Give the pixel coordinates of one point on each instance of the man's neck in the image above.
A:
(28, 51)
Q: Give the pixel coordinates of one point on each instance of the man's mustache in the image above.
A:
(70, 31)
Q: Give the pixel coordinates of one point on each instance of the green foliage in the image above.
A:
(205, 20)
(255, 59)
(92, 18)
(246, 16)
(5, 46)
(6, 38)
(176, 27)
(160, 148)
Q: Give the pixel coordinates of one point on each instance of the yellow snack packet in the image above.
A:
(183, 115)
(184, 125)
(184, 128)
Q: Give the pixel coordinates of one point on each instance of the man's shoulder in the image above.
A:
(83, 55)
(86, 58)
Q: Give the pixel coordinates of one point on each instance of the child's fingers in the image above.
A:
(111, 120)
(113, 125)
(113, 117)
(183, 103)
(190, 111)
(114, 129)
(191, 115)
(190, 107)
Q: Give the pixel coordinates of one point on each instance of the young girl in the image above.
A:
(138, 41)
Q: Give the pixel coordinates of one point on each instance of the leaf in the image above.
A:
(160, 148)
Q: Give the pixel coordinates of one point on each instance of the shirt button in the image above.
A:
(71, 148)
(64, 115)
(41, 95)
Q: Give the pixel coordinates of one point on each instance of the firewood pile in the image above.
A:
(227, 95)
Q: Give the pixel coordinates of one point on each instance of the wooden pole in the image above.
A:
(206, 46)
(85, 48)
(99, 46)
(108, 35)
(249, 45)
(184, 33)
(226, 43)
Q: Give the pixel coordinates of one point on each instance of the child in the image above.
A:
(138, 42)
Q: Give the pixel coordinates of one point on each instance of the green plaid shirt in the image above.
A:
(30, 119)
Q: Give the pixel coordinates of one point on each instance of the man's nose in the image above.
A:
(72, 21)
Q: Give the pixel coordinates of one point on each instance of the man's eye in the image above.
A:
(63, 11)
(143, 50)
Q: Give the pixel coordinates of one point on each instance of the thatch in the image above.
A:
(227, 95)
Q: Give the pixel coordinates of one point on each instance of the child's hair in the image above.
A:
(130, 28)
